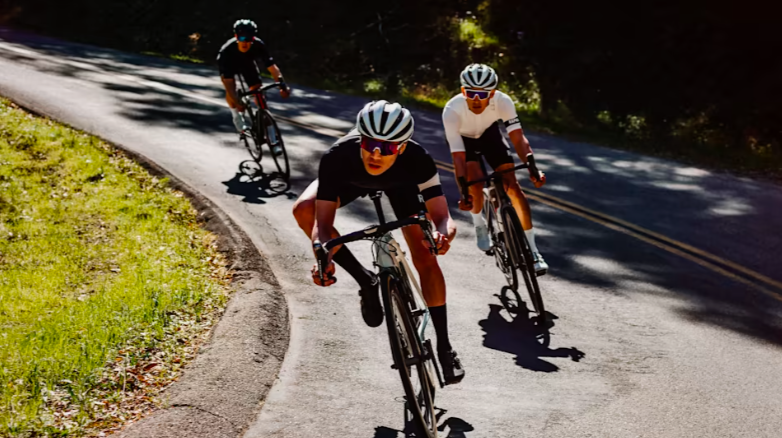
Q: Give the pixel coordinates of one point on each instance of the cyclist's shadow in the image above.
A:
(457, 428)
(521, 336)
(253, 184)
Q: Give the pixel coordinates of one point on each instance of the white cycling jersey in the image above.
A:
(459, 121)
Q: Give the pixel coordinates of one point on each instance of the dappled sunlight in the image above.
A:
(558, 188)
(692, 172)
(731, 207)
(677, 186)
(605, 266)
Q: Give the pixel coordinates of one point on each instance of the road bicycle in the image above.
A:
(510, 247)
(406, 314)
(263, 129)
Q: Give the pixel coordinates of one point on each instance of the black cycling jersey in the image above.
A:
(232, 62)
(342, 176)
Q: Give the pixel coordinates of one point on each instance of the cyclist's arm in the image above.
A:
(452, 124)
(275, 72)
(432, 194)
(267, 60)
(513, 126)
(443, 222)
(520, 143)
(330, 179)
(325, 211)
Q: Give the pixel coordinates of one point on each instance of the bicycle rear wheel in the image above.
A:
(274, 139)
(409, 357)
(524, 260)
(501, 250)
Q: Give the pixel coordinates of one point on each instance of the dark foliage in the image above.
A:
(703, 72)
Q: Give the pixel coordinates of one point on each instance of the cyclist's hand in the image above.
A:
(540, 181)
(443, 245)
(285, 91)
(465, 204)
(329, 277)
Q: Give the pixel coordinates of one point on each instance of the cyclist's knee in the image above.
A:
(423, 260)
(304, 211)
(512, 185)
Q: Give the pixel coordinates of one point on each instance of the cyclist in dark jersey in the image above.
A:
(241, 55)
(380, 155)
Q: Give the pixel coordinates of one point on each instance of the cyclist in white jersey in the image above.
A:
(471, 120)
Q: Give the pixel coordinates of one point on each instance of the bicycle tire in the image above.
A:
(281, 161)
(502, 256)
(252, 144)
(525, 261)
(408, 353)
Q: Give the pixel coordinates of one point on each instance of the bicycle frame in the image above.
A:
(389, 255)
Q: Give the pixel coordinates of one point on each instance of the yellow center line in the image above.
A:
(663, 246)
(674, 246)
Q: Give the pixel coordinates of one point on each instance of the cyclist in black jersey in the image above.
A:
(379, 155)
(241, 55)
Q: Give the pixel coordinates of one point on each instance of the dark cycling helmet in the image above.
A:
(245, 29)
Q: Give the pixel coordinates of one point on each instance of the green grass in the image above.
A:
(103, 269)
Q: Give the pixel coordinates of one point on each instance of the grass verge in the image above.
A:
(107, 282)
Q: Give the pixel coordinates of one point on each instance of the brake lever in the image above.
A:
(322, 258)
(532, 166)
(427, 229)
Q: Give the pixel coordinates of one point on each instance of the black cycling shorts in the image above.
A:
(491, 144)
(406, 201)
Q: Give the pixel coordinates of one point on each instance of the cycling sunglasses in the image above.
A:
(386, 147)
(245, 38)
(482, 94)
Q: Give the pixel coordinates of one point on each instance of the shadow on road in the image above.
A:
(520, 336)
(251, 183)
(457, 428)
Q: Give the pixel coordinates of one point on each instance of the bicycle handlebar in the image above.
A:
(530, 164)
(260, 90)
(322, 249)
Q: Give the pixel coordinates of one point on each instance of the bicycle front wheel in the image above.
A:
(500, 248)
(274, 140)
(525, 262)
(409, 357)
(253, 141)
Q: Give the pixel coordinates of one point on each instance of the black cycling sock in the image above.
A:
(347, 261)
(440, 322)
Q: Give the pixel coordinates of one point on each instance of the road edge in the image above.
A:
(221, 392)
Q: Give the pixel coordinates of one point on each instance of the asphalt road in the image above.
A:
(649, 339)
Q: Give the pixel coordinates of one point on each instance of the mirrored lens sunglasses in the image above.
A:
(482, 94)
(385, 147)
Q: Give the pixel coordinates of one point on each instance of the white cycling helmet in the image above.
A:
(385, 121)
(479, 76)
